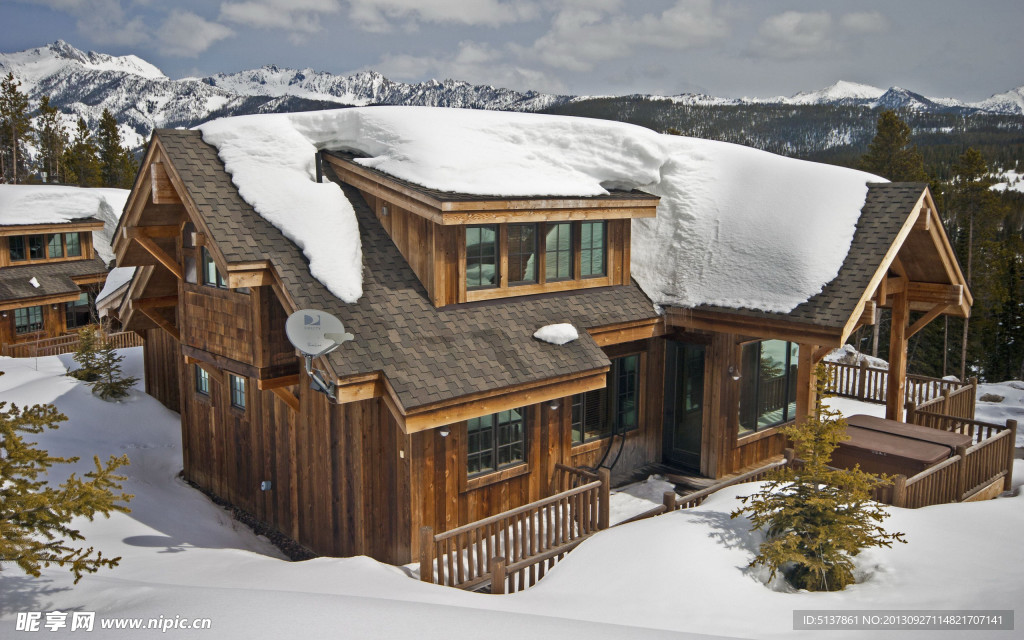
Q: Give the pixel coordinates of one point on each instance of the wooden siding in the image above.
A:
(54, 323)
(162, 363)
(219, 321)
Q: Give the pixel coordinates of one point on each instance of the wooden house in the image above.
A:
(49, 273)
(448, 409)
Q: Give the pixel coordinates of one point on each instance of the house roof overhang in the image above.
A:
(83, 224)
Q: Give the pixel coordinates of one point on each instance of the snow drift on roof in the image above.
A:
(54, 204)
(735, 228)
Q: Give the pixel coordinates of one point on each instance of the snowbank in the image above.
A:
(54, 204)
(848, 354)
(557, 333)
(736, 227)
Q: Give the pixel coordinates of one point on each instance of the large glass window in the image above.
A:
(592, 249)
(28, 319)
(522, 253)
(202, 380)
(17, 246)
(482, 256)
(496, 441)
(211, 275)
(36, 247)
(79, 313)
(54, 247)
(768, 386)
(558, 251)
(73, 243)
(597, 414)
(237, 385)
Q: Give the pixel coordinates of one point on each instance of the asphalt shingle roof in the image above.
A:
(428, 354)
(54, 278)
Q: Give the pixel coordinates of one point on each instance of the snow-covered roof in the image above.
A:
(56, 204)
(116, 279)
(736, 227)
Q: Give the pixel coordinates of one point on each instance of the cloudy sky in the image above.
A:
(965, 49)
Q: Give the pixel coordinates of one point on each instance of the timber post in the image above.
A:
(498, 575)
(945, 402)
(669, 500)
(862, 380)
(790, 455)
(961, 473)
(605, 476)
(427, 554)
(899, 490)
(1012, 426)
(911, 412)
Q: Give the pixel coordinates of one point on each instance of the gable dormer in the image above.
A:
(466, 248)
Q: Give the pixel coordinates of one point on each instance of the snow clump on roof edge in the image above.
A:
(736, 227)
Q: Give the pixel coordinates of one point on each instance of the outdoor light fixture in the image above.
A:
(384, 210)
(444, 433)
(734, 373)
(265, 485)
(554, 404)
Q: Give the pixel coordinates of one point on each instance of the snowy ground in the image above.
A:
(679, 575)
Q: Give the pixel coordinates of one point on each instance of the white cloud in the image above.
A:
(381, 15)
(585, 34)
(865, 22)
(102, 21)
(186, 34)
(295, 16)
(795, 34)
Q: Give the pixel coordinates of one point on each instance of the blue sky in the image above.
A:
(963, 49)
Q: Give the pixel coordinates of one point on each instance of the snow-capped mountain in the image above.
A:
(142, 98)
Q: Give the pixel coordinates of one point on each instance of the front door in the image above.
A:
(684, 403)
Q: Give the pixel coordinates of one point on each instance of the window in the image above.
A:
(522, 253)
(614, 409)
(558, 252)
(17, 246)
(73, 243)
(237, 391)
(768, 391)
(592, 249)
(36, 247)
(496, 441)
(202, 380)
(482, 256)
(28, 319)
(211, 275)
(79, 313)
(54, 247)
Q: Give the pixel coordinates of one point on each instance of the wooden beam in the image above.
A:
(156, 302)
(933, 293)
(753, 326)
(897, 377)
(627, 331)
(288, 397)
(820, 353)
(53, 227)
(867, 317)
(882, 291)
(806, 389)
(153, 231)
(897, 266)
(161, 322)
(269, 384)
(167, 261)
(215, 374)
(161, 188)
(923, 321)
(250, 278)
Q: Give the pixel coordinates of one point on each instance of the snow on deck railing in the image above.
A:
(868, 384)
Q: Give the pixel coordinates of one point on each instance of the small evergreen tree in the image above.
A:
(891, 154)
(15, 127)
(816, 519)
(87, 355)
(35, 518)
(52, 141)
(81, 158)
(117, 166)
(111, 382)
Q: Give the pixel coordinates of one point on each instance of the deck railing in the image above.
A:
(868, 384)
(957, 403)
(514, 549)
(67, 344)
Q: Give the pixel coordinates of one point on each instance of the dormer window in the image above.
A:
(593, 249)
(558, 251)
(482, 256)
(73, 244)
(49, 246)
(522, 254)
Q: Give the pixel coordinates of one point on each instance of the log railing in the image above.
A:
(565, 477)
(67, 344)
(514, 549)
(868, 384)
(958, 403)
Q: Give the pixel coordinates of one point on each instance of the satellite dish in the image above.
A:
(314, 332)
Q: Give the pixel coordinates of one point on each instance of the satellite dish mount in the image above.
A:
(316, 333)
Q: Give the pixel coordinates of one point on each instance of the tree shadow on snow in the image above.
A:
(25, 593)
(169, 544)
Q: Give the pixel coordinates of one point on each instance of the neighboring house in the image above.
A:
(50, 258)
(448, 409)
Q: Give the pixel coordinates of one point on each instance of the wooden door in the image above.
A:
(684, 403)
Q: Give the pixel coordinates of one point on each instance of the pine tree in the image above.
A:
(15, 127)
(52, 141)
(891, 154)
(87, 355)
(111, 383)
(816, 519)
(117, 166)
(81, 159)
(35, 518)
